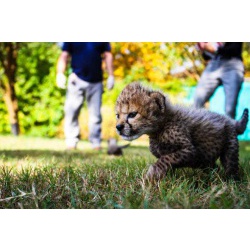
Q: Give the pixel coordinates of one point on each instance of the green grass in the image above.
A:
(39, 173)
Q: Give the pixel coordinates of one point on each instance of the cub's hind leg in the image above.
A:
(230, 157)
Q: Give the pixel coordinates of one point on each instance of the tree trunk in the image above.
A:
(10, 65)
(12, 106)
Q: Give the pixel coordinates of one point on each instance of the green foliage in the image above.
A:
(246, 58)
(151, 61)
(40, 101)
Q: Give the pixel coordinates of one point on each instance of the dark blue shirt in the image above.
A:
(86, 59)
(230, 50)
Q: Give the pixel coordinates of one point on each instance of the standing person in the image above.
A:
(226, 68)
(85, 82)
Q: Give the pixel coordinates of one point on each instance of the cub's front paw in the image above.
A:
(154, 174)
(150, 174)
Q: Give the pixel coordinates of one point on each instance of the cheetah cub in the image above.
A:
(179, 136)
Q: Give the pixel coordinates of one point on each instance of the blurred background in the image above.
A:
(31, 101)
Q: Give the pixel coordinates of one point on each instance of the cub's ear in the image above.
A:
(160, 101)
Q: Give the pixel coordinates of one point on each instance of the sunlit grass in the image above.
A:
(39, 173)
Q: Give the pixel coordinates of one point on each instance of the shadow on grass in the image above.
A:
(76, 154)
(19, 154)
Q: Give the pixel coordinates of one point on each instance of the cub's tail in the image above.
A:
(242, 123)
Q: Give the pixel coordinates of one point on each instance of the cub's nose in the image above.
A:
(119, 127)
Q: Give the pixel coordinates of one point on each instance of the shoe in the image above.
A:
(70, 148)
(97, 148)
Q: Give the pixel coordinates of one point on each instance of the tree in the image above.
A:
(8, 63)
(33, 102)
(154, 61)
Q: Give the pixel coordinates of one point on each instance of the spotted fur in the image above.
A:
(179, 136)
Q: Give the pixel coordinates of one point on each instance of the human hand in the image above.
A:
(201, 45)
(211, 47)
(61, 80)
(110, 82)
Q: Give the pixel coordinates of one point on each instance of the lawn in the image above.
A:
(39, 173)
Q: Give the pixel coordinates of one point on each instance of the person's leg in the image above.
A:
(232, 80)
(94, 100)
(72, 107)
(209, 81)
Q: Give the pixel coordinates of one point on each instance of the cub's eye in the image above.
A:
(117, 116)
(132, 114)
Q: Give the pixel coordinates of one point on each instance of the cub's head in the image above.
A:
(139, 111)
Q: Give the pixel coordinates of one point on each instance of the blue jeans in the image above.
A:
(77, 91)
(229, 73)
